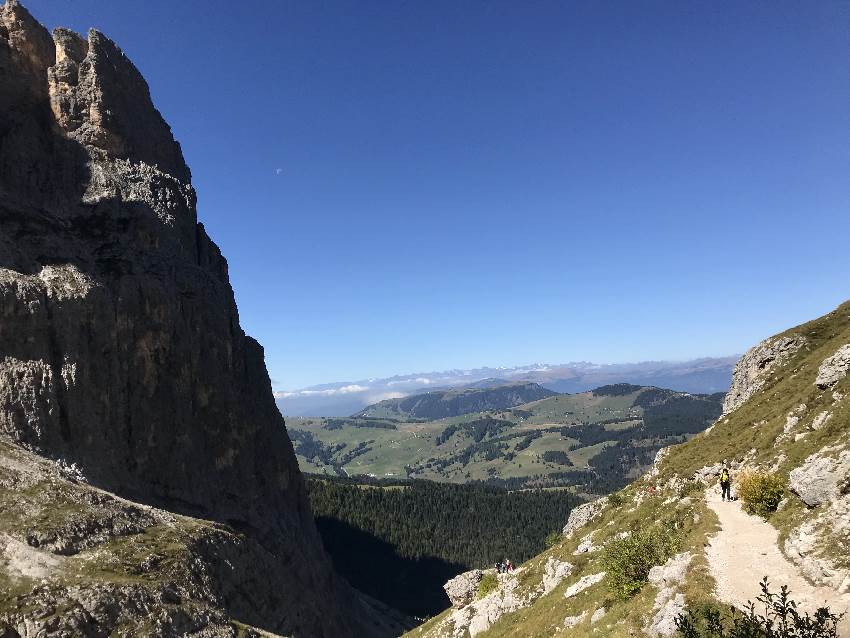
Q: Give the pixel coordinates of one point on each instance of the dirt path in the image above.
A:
(745, 550)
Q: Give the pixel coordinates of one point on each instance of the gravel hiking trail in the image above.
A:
(745, 550)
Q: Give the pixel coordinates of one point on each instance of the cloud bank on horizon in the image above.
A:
(343, 398)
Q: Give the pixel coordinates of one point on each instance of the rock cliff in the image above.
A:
(120, 346)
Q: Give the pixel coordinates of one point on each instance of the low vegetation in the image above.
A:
(628, 559)
(779, 620)
(760, 492)
(488, 583)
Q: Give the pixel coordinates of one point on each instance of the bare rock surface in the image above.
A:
(834, 368)
(462, 589)
(751, 371)
(823, 477)
(583, 514)
(585, 582)
(554, 571)
(120, 345)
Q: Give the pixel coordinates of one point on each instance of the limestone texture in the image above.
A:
(120, 345)
(834, 368)
(750, 373)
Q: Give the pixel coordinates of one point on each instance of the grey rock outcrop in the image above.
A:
(583, 514)
(585, 582)
(669, 603)
(823, 477)
(834, 368)
(120, 345)
(462, 589)
(554, 571)
(751, 371)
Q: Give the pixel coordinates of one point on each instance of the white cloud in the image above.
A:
(346, 389)
(418, 380)
(278, 171)
(384, 396)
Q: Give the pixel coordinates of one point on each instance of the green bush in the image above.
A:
(628, 560)
(615, 499)
(488, 583)
(760, 492)
(552, 539)
(780, 620)
(689, 487)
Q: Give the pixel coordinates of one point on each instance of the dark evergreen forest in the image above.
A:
(401, 541)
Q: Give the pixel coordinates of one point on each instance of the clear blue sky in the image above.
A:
(403, 186)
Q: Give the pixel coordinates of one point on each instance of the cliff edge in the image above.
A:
(120, 347)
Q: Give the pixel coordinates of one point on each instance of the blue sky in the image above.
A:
(408, 186)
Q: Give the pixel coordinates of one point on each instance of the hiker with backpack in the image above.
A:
(725, 483)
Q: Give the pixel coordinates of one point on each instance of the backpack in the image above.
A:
(724, 476)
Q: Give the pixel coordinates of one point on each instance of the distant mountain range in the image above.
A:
(702, 376)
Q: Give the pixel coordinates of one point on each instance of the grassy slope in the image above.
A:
(751, 432)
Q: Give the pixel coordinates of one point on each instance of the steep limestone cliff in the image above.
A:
(120, 345)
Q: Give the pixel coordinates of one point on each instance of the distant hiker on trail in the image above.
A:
(509, 566)
(725, 483)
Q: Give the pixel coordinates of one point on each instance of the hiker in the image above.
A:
(509, 567)
(725, 483)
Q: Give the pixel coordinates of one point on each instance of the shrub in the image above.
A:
(628, 560)
(615, 499)
(760, 492)
(780, 620)
(488, 583)
(552, 539)
(689, 487)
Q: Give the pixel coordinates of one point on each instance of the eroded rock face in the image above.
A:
(823, 477)
(834, 368)
(669, 603)
(462, 589)
(583, 514)
(585, 582)
(120, 344)
(554, 571)
(751, 371)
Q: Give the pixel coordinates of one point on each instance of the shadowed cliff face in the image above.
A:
(120, 344)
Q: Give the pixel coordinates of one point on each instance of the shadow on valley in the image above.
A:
(400, 541)
(411, 585)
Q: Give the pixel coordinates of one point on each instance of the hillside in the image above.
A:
(441, 404)
(785, 416)
(593, 441)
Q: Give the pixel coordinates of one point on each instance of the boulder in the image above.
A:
(823, 477)
(597, 615)
(463, 588)
(834, 368)
(750, 373)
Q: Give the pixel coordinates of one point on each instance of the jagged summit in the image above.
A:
(120, 346)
